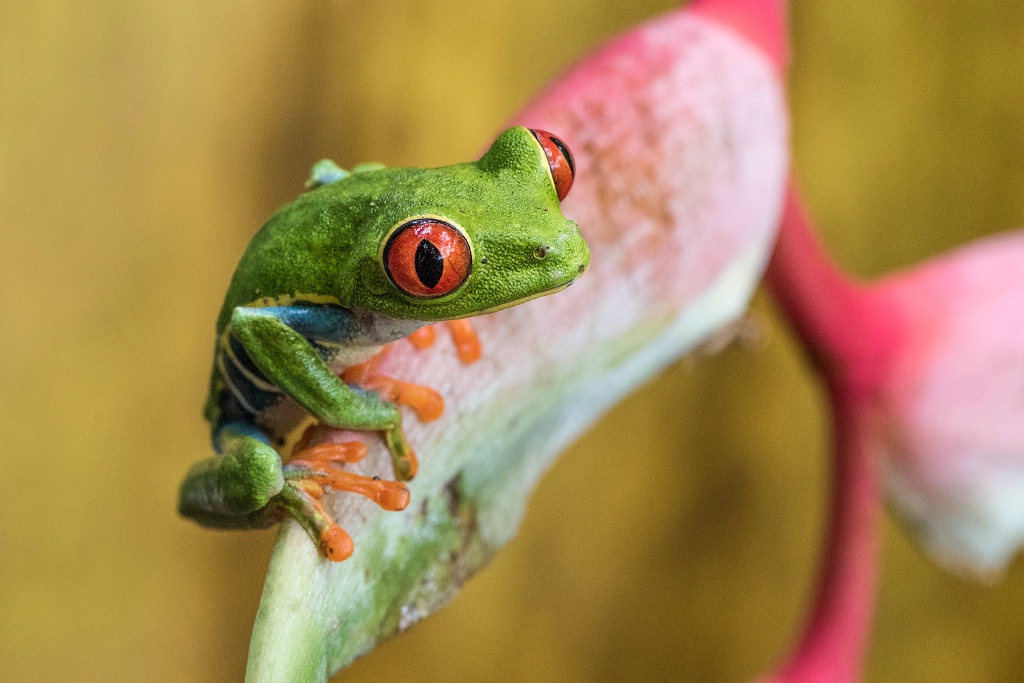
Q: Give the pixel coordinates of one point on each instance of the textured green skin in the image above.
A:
(328, 241)
(234, 490)
(326, 247)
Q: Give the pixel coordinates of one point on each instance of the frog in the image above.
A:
(363, 259)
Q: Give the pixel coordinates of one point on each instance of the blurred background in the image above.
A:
(141, 144)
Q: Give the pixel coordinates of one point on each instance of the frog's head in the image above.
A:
(461, 240)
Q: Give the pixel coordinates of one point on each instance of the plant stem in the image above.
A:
(849, 336)
(833, 642)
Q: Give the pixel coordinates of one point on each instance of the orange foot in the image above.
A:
(312, 470)
(467, 344)
(428, 404)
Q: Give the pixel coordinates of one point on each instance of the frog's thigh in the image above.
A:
(226, 489)
(290, 362)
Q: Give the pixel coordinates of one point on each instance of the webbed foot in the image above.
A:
(426, 402)
(311, 471)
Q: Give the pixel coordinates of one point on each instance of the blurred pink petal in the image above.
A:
(925, 371)
(952, 403)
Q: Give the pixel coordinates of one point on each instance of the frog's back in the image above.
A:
(306, 250)
(301, 250)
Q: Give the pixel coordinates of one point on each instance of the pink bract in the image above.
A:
(952, 403)
(925, 374)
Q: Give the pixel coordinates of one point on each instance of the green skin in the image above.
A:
(324, 252)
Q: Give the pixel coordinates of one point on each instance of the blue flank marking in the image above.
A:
(316, 321)
(248, 392)
(238, 428)
(255, 399)
(244, 362)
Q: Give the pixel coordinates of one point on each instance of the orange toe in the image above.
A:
(390, 495)
(350, 451)
(428, 404)
(335, 544)
(423, 338)
(311, 477)
(301, 497)
(467, 344)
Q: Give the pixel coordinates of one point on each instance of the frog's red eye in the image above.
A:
(563, 167)
(427, 258)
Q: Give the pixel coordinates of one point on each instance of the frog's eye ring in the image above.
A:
(427, 258)
(563, 166)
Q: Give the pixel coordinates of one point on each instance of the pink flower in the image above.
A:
(925, 375)
(925, 371)
(951, 403)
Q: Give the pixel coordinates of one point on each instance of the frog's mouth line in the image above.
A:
(531, 297)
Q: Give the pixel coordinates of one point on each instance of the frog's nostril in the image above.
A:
(541, 252)
(583, 268)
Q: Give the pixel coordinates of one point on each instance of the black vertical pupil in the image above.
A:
(564, 149)
(429, 263)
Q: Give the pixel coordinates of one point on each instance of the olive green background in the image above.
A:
(142, 143)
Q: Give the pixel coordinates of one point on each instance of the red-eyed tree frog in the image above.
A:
(363, 259)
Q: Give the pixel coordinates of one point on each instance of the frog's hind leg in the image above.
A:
(426, 402)
(287, 360)
(313, 469)
(245, 486)
(234, 488)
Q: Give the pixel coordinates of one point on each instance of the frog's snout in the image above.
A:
(563, 260)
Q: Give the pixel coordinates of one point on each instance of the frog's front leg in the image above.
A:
(287, 359)
(245, 486)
